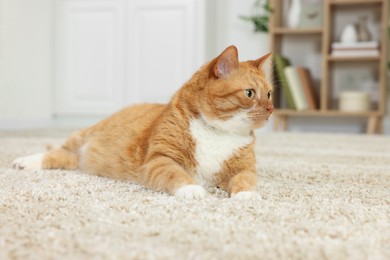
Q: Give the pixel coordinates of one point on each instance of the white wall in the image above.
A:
(25, 62)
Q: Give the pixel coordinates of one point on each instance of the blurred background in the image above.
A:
(70, 63)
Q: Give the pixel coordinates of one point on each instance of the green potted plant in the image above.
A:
(260, 18)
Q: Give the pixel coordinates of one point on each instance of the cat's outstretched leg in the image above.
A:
(55, 159)
(32, 162)
(60, 158)
(66, 157)
(164, 174)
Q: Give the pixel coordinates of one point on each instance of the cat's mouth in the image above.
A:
(259, 117)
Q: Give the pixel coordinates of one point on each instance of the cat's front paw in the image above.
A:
(32, 162)
(246, 195)
(191, 192)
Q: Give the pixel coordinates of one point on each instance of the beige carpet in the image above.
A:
(324, 197)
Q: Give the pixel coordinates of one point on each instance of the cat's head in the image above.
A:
(237, 96)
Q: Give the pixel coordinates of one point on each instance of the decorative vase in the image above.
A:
(294, 14)
(362, 30)
(349, 34)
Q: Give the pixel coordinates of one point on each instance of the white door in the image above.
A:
(110, 53)
(165, 47)
(89, 56)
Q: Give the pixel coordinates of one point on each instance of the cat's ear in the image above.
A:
(225, 63)
(264, 64)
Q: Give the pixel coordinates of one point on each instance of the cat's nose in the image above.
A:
(269, 108)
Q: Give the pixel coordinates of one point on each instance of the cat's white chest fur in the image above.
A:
(213, 147)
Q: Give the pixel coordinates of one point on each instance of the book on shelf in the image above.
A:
(294, 82)
(355, 49)
(355, 53)
(280, 64)
(308, 87)
(355, 45)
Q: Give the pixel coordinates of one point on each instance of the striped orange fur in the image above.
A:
(176, 147)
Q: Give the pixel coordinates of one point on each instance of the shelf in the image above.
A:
(335, 113)
(354, 2)
(329, 68)
(297, 31)
(372, 58)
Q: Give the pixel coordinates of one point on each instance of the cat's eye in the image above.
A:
(269, 94)
(250, 93)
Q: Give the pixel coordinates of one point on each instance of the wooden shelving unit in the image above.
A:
(354, 2)
(330, 58)
(278, 32)
(297, 31)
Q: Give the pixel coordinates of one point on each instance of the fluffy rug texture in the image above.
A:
(323, 197)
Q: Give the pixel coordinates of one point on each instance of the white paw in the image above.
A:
(191, 192)
(32, 162)
(247, 195)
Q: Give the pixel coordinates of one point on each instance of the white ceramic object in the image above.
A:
(294, 14)
(354, 101)
(349, 34)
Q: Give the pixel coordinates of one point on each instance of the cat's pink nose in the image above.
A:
(269, 108)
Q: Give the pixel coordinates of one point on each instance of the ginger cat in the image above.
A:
(204, 136)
